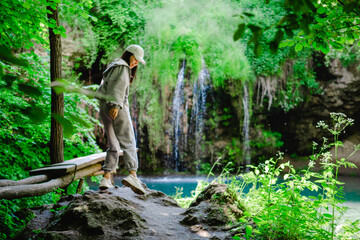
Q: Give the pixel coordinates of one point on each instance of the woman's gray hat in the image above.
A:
(137, 51)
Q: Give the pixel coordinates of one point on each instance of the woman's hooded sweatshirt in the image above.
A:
(115, 83)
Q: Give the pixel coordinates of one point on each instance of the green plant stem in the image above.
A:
(210, 172)
(336, 137)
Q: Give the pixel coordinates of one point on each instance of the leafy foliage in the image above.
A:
(276, 201)
(24, 23)
(104, 26)
(307, 24)
(287, 212)
(264, 143)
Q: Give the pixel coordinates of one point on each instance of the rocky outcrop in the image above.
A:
(121, 214)
(215, 209)
(341, 91)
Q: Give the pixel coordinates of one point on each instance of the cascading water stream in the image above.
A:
(246, 127)
(176, 113)
(199, 109)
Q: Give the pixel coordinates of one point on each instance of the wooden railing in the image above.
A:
(47, 179)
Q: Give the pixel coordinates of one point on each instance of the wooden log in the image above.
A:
(13, 192)
(29, 180)
(61, 169)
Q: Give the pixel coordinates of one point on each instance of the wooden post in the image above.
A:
(79, 187)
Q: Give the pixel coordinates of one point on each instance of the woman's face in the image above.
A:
(133, 62)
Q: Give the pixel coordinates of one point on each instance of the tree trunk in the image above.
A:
(57, 100)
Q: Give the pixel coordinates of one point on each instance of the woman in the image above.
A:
(115, 115)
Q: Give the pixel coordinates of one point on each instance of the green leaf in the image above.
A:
(283, 44)
(327, 215)
(239, 32)
(254, 28)
(324, 185)
(93, 18)
(67, 125)
(279, 36)
(305, 27)
(248, 231)
(258, 220)
(321, 10)
(350, 37)
(27, 5)
(9, 79)
(310, 5)
(30, 90)
(63, 34)
(248, 14)
(62, 29)
(352, 165)
(36, 114)
(291, 18)
(243, 220)
(6, 55)
(324, 47)
(59, 89)
(350, 6)
(80, 120)
(257, 49)
(298, 47)
(84, 15)
(273, 47)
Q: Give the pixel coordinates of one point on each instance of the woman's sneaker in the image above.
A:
(133, 183)
(105, 184)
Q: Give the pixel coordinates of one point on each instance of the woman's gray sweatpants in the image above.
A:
(120, 135)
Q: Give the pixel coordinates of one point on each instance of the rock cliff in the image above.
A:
(340, 93)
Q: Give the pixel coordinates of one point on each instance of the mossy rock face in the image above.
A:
(216, 206)
(95, 216)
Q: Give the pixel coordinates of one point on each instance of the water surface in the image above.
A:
(169, 184)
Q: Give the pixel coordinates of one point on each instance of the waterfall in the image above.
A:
(246, 127)
(199, 109)
(176, 113)
(188, 133)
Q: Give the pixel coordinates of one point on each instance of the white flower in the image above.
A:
(326, 157)
(311, 164)
(321, 124)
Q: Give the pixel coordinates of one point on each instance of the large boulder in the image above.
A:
(216, 208)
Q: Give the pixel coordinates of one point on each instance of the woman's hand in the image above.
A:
(113, 113)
